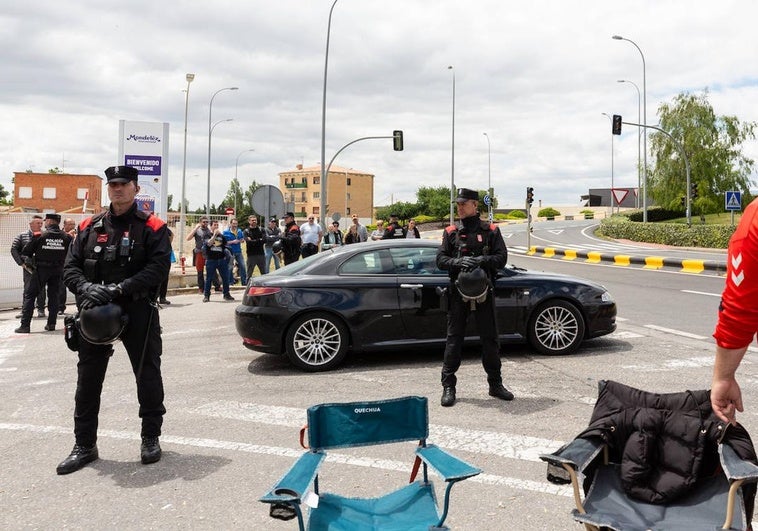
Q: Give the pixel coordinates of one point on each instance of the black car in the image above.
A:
(383, 295)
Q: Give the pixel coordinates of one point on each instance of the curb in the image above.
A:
(624, 260)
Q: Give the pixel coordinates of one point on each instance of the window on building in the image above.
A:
(316, 195)
(348, 181)
(316, 211)
(24, 192)
(81, 193)
(347, 211)
(302, 198)
(304, 180)
(317, 180)
(48, 193)
(347, 196)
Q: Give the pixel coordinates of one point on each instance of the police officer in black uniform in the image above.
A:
(290, 239)
(471, 252)
(44, 256)
(394, 229)
(121, 257)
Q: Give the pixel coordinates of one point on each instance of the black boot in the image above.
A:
(150, 451)
(79, 456)
(23, 329)
(448, 396)
(498, 391)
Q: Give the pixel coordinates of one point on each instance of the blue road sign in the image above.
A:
(487, 200)
(733, 200)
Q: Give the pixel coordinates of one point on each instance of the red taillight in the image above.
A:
(259, 291)
(251, 341)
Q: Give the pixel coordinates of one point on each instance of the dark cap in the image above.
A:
(393, 215)
(273, 219)
(288, 215)
(54, 217)
(336, 223)
(121, 174)
(464, 194)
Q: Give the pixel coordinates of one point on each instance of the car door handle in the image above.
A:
(412, 286)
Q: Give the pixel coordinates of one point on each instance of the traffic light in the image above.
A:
(694, 191)
(616, 129)
(529, 195)
(397, 140)
(683, 200)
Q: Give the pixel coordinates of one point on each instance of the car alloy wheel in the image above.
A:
(557, 327)
(317, 342)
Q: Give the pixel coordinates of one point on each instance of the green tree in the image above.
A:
(55, 170)
(403, 209)
(4, 196)
(169, 200)
(713, 145)
(433, 202)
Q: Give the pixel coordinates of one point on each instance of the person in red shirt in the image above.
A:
(738, 315)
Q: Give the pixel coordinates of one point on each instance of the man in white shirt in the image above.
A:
(311, 234)
(362, 232)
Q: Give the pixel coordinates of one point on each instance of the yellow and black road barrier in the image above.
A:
(624, 260)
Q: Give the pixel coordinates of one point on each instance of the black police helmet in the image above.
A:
(277, 246)
(102, 325)
(473, 284)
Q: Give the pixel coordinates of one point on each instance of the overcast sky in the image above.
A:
(535, 76)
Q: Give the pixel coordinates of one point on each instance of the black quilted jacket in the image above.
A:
(664, 442)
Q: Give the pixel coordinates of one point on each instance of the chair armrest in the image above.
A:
(579, 453)
(292, 486)
(735, 467)
(449, 467)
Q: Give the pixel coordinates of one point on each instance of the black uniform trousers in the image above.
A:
(49, 277)
(40, 297)
(484, 316)
(142, 332)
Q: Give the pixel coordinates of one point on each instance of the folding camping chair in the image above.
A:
(721, 497)
(412, 507)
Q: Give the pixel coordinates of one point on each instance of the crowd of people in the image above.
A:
(264, 245)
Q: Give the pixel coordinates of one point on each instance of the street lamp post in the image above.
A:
(639, 139)
(644, 123)
(612, 135)
(324, 176)
(182, 214)
(489, 175)
(210, 130)
(208, 184)
(452, 158)
(236, 163)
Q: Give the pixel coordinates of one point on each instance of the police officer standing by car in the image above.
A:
(472, 253)
(290, 240)
(115, 267)
(44, 256)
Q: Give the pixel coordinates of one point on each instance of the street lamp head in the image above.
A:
(190, 77)
(618, 37)
(450, 67)
(234, 88)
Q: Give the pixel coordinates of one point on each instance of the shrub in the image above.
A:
(548, 212)
(513, 214)
(709, 236)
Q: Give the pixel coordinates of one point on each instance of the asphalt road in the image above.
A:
(234, 416)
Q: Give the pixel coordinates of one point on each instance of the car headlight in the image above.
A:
(606, 297)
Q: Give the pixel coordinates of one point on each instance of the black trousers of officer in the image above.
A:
(49, 277)
(40, 297)
(457, 317)
(142, 332)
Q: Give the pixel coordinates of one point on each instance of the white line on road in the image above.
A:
(701, 293)
(675, 332)
(382, 464)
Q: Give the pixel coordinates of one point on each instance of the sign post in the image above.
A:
(733, 202)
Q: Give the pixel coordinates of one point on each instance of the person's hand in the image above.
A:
(469, 263)
(726, 399)
(98, 294)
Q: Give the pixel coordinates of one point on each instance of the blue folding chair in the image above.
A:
(412, 507)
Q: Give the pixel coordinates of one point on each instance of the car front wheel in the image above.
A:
(316, 342)
(557, 327)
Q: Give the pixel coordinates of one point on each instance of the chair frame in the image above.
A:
(290, 490)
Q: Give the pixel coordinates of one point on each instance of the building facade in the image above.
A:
(349, 192)
(57, 192)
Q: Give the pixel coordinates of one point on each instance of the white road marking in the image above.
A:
(675, 332)
(382, 464)
(673, 364)
(701, 293)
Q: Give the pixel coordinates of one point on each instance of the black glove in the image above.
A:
(98, 294)
(469, 263)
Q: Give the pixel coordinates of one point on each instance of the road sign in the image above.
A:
(229, 211)
(733, 200)
(619, 194)
(269, 201)
(487, 199)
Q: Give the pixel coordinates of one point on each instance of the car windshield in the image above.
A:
(297, 267)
